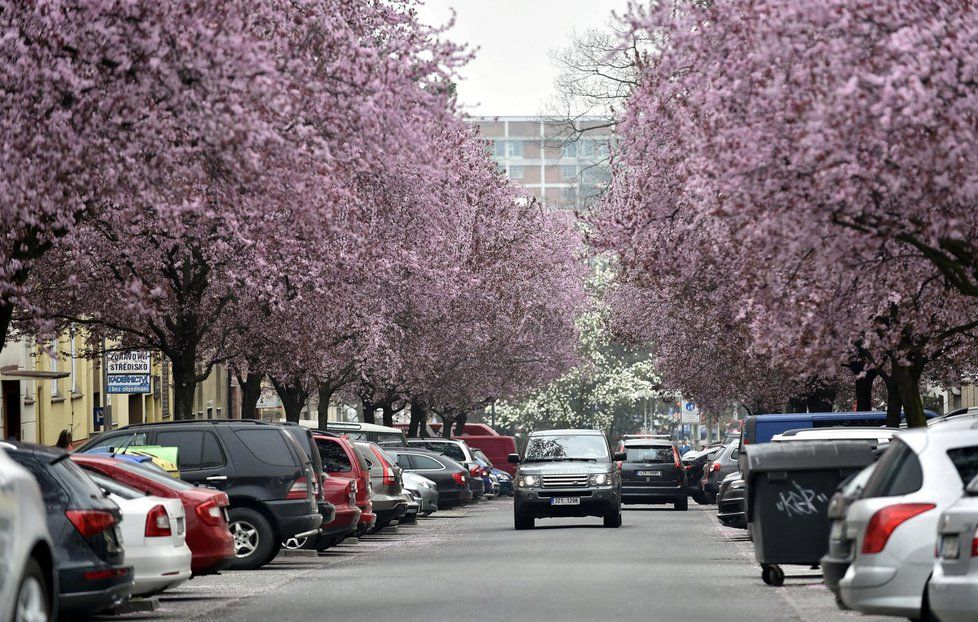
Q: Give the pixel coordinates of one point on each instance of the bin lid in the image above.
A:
(807, 456)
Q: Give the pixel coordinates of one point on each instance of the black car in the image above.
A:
(450, 477)
(92, 573)
(732, 501)
(266, 474)
(567, 473)
(693, 463)
(460, 452)
(304, 437)
(652, 473)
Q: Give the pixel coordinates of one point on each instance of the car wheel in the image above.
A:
(613, 520)
(522, 522)
(32, 595)
(324, 543)
(254, 540)
(682, 504)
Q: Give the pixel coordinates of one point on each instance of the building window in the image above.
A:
(568, 172)
(514, 148)
(594, 148)
(570, 150)
(516, 172)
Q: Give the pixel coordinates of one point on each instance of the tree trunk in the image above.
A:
(250, 394)
(388, 415)
(6, 314)
(293, 396)
(864, 391)
(460, 422)
(184, 371)
(907, 378)
(894, 405)
(368, 410)
(447, 421)
(419, 420)
(326, 392)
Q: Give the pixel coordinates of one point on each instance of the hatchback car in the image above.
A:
(154, 536)
(893, 525)
(205, 510)
(653, 473)
(385, 484)
(425, 490)
(725, 463)
(952, 594)
(460, 452)
(29, 587)
(451, 478)
(341, 459)
(838, 558)
(268, 477)
(84, 524)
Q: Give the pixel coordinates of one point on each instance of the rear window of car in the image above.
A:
(426, 463)
(451, 450)
(897, 473)
(118, 440)
(334, 457)
(268, 445)
(965, 461)
(648, 454)
(110, 485)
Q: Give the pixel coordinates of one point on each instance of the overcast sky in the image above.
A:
(512, 73)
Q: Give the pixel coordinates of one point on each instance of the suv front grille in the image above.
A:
(565, 481)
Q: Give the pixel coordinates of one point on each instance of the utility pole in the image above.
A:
(106, 402)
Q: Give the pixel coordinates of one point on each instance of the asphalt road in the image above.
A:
(660, 566)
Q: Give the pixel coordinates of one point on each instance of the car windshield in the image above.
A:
(564, 447)
(649, 454)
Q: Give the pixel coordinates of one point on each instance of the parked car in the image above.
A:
(693, 463)
(153, 535)
(341, 495)
(460, 452)
(29, 587)
(762, 428)
(732, 501)
(304, 437)
(836, 561)
(266, 474)
(385, 482)
(496, 476)
(341, 459)
(478, 436)
(895, 522)
(505, 482)
(84, 525)
(651, 472)
(725, 463)
(489, 488)
(425, 490)
(450, 477)
(413, 501)
(205, 510)
(953, 590)
(567, 473)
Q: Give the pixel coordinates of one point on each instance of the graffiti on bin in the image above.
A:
(800, 501)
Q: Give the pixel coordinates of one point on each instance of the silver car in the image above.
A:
(385, 481)
(893, 526)
(424, 490)
(953, 589)
(28, 578)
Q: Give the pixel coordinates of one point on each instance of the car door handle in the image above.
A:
(217, 478)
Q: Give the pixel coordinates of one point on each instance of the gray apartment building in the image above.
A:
(564, 164)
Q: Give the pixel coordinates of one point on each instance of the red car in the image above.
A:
(341, 460)
(342, 493)
(208, 537)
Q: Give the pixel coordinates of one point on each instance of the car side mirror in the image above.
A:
(513, 458)
(619, 456)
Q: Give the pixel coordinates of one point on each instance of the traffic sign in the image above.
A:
(689, 413)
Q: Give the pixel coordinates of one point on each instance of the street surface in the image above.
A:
(470, 564)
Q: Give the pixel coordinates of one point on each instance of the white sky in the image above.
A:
(512, 73)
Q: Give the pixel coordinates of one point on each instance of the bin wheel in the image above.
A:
(772, 575)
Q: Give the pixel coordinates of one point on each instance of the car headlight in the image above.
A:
(528, 481)
(737, 485)
(600, 479)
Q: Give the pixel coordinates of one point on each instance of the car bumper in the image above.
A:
(952, 598)
(104, 593)
(732, 508)
(884, 590)
(391, 514)
(212, 549)
(536, 503)
(345, 519)
(506, 488)
(453, 498)
(157, 568)
(637, 493)
(293, 518)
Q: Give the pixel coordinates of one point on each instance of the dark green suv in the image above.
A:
(566, 473)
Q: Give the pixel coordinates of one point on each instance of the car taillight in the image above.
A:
(974, 544)
(299, 489)
(885, 521)
(210, 512)
(715, 467)
(90, 522)
(97, 575)
(388, 473)
(157, 523)
(458, 477)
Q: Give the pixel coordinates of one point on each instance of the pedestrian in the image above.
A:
(64, 440)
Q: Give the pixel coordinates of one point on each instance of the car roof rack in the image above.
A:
(201, 421)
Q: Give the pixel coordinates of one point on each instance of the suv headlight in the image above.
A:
(600, 479)
(736, 484)
(528, 481)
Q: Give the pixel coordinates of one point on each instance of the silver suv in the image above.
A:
(567, 473)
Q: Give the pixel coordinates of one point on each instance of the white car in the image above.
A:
(953, 588)
(893, 525)
(28, 578)
(154, 534)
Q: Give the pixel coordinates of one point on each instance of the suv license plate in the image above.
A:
(949, 547)
(565, 501)
(650, 473)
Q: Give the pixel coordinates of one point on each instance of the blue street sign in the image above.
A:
(128, 383)
(98, 417)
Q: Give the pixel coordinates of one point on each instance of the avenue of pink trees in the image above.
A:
(794, 199)
(285, 187)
